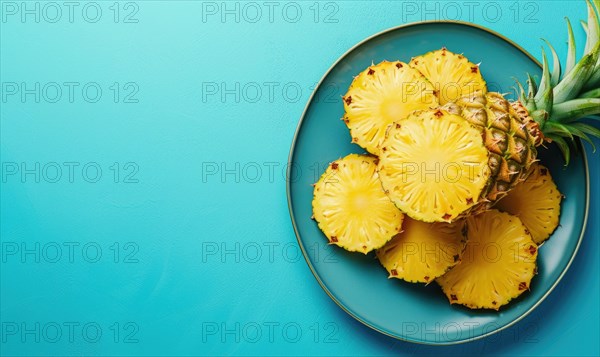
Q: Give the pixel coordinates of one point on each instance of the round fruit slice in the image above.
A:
(433, 165)
(381, 95)
(536, 201)
(351, 207)
(452, 75)
(497, 265)
(423, 251)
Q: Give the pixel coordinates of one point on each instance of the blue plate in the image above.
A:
(357, 283)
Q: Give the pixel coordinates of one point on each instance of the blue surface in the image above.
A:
(207, 255)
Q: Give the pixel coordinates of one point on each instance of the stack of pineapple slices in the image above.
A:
(452, 190)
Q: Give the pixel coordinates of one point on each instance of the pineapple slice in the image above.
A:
(381, 95)
(536, 201)
(351, 207)
(497, 265)
(423, 251)
(452, 75)
(433, 165)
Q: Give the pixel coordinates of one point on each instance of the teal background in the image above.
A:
(207, 260)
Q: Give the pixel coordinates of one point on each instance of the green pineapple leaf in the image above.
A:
(555, 65)
(592, 29)
(575, 109)
(573, 82)
(543, 98)
(558, 129)
(572, 51)
(574, 128)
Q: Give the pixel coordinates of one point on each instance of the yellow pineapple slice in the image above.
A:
(433, 165)
(536, 201)
(497, 265)
(351, 208)
(423, 251)
(452, 75)
(381, 95)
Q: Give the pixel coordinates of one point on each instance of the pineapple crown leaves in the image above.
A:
(560, 101)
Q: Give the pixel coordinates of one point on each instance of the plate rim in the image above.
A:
(579, 145)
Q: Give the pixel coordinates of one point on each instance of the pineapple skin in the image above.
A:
(508, 137)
